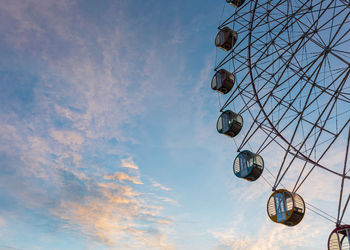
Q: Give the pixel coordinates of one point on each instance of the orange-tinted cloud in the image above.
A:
(121, 177)
(120, 216)
(129, 163)
(160, 186)
(69, 138)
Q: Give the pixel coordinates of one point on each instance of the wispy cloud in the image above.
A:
(272, 236)
(68, 138)
(160, 186)
(129, 163)
(8, 248)
(57, 158)
(122, 177)
(2, 222)
(116, 215)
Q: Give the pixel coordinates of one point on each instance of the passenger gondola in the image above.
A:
(248, 165)
(222, 81)
(229, 123)
(339, 239)
(235, 3)
(226, 38)
(285, 207)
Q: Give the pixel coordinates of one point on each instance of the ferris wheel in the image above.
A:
(283, 71)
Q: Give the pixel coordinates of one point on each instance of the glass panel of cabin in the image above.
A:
(222, 37)
(236, 168)
(250, 159)
(217, 39)
(213, 82)
(220, 124)
(231, 77)
(258, 160)
(231, 117)
(238, 118)
(280, 207)
(243, 164)
(299, 203)
(289, 201)
(225, 122)
(218, 80)
(334, 242)
(271, 207)
(346, 240)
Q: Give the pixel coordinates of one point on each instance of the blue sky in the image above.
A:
(108, 139)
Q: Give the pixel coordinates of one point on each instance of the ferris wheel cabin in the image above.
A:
(285, 207)
(226, 38)
(248, 165)
(222, 81)
(339, 239)
(235, 3)
(229, 123)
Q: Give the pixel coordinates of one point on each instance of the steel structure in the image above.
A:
(291, 62)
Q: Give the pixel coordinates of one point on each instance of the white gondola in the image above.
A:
(339, 239)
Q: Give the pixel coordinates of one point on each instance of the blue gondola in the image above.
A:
(248, 165)
(229, 123)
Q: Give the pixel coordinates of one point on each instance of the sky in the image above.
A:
(108, 137)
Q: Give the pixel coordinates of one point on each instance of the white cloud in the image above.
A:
(68, 138)
(118, 216)
(129, 163)
(121, 177)
(87, 93)
(2, 222)
(160, 186)
(273, 236)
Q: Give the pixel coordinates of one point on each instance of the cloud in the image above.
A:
(160, 186)
(129, 163)
(68, 138)
(85, 90)
(168, 222)
(90, 203)
(122, 177)
(3, 247)
(272, 236)
(2, 222)
(169, 200)
(117, 216)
